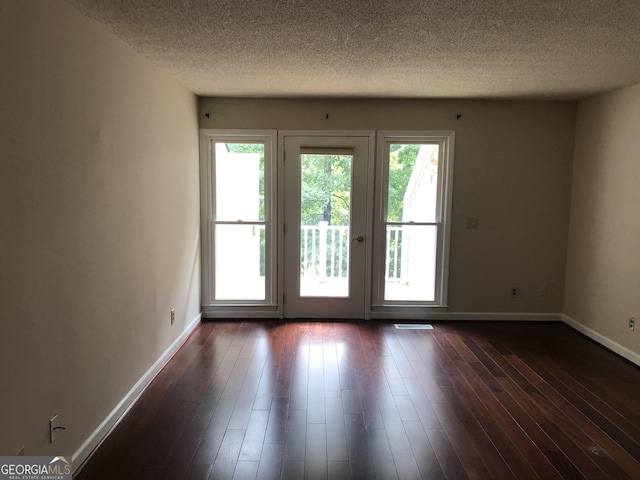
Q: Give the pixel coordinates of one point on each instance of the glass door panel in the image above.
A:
(325, 217)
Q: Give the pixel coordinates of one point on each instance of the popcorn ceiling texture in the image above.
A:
(546, 49)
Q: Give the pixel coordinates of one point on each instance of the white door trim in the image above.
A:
(370, 136)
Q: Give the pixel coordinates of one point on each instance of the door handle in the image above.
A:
(358, 239)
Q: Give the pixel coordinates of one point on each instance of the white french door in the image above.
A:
(326, 191)
(302, 237)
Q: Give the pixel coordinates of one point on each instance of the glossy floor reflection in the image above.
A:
(339, 400)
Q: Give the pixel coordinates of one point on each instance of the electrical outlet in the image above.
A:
(173, 316)
(53, 429)
(515, 292)
(632, 323)
(544, 290)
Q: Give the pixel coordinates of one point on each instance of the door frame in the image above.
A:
(369, 207)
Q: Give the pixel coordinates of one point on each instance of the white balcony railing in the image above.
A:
(324, 250)
(328, 245)
(393, 266)
(324, 262)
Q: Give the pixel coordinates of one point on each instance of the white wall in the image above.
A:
(603, 267)
(512, 169)
(99, 222)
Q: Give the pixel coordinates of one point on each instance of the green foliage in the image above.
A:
(326, 182)
(402, 159)
(325, 189)
(326, 186)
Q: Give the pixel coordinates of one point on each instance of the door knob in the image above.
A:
(358, 239)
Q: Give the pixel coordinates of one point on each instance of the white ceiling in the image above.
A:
(543, 49)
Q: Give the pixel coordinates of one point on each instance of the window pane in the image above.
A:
(239, 173)
(239, 262)
(325, 216)
(413, 183)
(411, 263)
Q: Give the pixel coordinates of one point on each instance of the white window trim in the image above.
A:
(382, 308)
(267, 308)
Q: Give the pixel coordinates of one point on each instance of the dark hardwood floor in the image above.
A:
(267, 399)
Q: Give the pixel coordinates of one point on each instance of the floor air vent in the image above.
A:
(414, 326)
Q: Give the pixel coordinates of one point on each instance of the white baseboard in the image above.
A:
(130, 398)
(602, 340)
(467, 316)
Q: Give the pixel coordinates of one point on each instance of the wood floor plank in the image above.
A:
(337, 448)
(292, 469)
(228, 453)
(198, 472)
(475, 398)
(338, 470)
(576, 422)
(295, 445)
(351, 402)
(579, 458)
(244, 403)
(447, 458)
(315, 460)
(266, 387)
(484, 415)
(163, 452)
(254, 436)
(381, 456)
(277, 425)
(360, 462)
(423, 453)
(246, 470)
(467, 439)
(394, 428)
(609, 394)
(315, 399)
(181, 458)
(299, 387)
(420, 404)
(508, 412)
(214, 434)
(270, 464)
(618, 428)
(363, 400)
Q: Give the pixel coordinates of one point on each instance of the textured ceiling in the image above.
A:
(543, 49)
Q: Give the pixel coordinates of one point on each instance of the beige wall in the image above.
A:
(512, 169)
(99, 222)
(603, 279)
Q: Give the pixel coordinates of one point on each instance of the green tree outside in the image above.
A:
(402, 159)
(325, 188)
